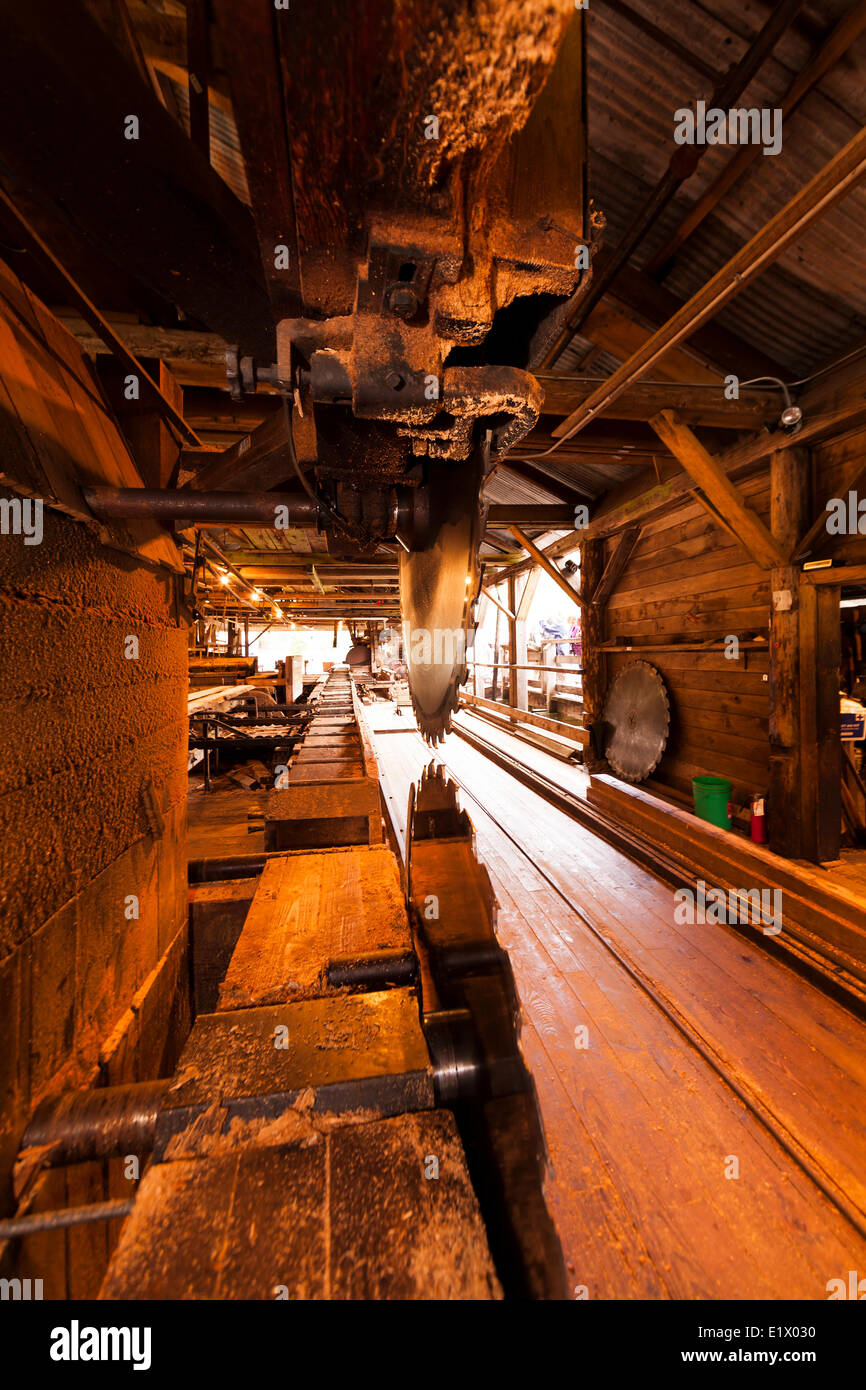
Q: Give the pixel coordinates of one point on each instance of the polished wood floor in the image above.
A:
(665, 1182)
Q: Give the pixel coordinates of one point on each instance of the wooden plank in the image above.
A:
(811, 899)
(309, 909)
(285, 1221)
(695, 403)
(635, 1102)
(789, 473)
(318, 773)
(312, 815)
(217, 912)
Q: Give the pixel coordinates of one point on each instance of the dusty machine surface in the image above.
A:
(416, 178)
(397, 227)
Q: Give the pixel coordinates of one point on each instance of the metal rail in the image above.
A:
(775, 1126)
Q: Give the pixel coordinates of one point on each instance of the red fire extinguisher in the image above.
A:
(758, 825)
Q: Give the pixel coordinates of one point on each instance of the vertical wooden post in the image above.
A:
(594, 680)
(789, 478)
(494, 682)
(512, 643)
(804, 797)
(521, 630)
(821, 749)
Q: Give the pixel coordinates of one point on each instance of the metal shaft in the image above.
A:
(106, 1122)
(181, 504)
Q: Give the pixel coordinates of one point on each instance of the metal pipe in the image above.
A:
(553, 516)
(537, 665)
(17, 1226)
(295, 568)
(106, 1122)
(181, 504)
(238, 866)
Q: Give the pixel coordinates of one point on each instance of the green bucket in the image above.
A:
(712, 799)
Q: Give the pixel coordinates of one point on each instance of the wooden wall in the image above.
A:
(689, 581)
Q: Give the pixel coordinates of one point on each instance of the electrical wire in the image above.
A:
(784, 387)
(352, 529)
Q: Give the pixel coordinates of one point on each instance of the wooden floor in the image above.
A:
(664, 1183)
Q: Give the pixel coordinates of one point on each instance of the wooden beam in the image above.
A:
(547, 565)
(818, 529)
(709, 475)
(152, 206)
(834, 47)
(528, 594)
(703, 405)
(834, 402)
(501, 606)
(842, 173)
(717, 348)
(821, 770)
(616, 564)
(539, 721)
(565, 546)
(257, 462)
(545, 515)
(513, 655)
(836, 574)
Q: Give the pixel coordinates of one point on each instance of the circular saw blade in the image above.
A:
(439, 585)
(637, 720)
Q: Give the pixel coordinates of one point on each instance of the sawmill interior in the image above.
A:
(433, 667)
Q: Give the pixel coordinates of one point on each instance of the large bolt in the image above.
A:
(402, 301)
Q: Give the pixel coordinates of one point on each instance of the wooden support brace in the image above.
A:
(819, 525)
(709, 475)
(547, 565)
(616, 564)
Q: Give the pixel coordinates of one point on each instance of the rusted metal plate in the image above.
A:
(347, 1053)
(309, 909)
(352, 1215)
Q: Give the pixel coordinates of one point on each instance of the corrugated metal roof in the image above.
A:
(813, 303)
